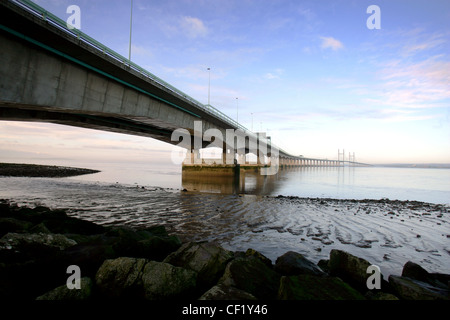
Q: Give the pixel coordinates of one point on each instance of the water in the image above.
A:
(387, 233)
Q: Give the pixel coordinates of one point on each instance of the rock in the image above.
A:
(38, 214)
(293, 263)
(414, 271)
(312, 287)
(5, 210)
(207, 259)
(40, 228)
(137, 278)
(121, 278)
(323, 265)
(89, 257)
(156, 247)
(153, 243)
(63, 224)
(351, 269)
(250, 274)
(13, 225)
(222, 292)
(410, 289)
(33, 245)
(263, 258)
(162, 281)
(64, 293)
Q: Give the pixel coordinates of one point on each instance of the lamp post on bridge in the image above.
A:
(209, 87)
(131, 27)
(237, 110)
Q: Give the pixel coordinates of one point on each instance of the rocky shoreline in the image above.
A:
(43, 171)
(37, 245)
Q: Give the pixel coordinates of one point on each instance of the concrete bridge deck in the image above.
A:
(50, 73)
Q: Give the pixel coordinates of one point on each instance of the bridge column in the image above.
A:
(260, 159)
(193, 157)
(241, 158)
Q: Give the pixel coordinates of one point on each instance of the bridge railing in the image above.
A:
(62, 25)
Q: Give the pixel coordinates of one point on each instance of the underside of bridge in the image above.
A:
(51, 74)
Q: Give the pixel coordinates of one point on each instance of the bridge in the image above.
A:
(52, 73)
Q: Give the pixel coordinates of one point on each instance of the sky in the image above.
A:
(311, 74)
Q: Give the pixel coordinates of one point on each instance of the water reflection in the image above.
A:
(286, 181)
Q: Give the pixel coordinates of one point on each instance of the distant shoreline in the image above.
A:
(42, 171)
(415, 165)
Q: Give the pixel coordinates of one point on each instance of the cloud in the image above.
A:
(423, 43)
(331, 43)
(270, 76)
(193, 27)
(420, 85)
(275, 74)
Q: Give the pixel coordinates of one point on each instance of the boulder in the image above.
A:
(32, 246)
(222, 292)
(120, 278)
(137, 278)
(89, 257)
(38, 214)
(259, 255)
(40, 228)
(252, 275)
(414, 271)
(5, 210)
(162, 281)
(293, 263)
(410, 289)
(207, 259)
(64, 224)
(13, 225)
(153, 243)
(351, 269)
(16, 241)
(313, 287)
(323, 265)
(64, 293)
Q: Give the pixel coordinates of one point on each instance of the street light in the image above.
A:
(209, 87)
(131, 26)
(237, 110)
(252, 121)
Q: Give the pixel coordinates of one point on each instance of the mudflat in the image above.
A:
(34, 170)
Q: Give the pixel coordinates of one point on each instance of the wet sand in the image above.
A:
(387, 233)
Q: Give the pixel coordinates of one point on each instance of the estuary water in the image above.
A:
(307, 210)
(419, 184)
